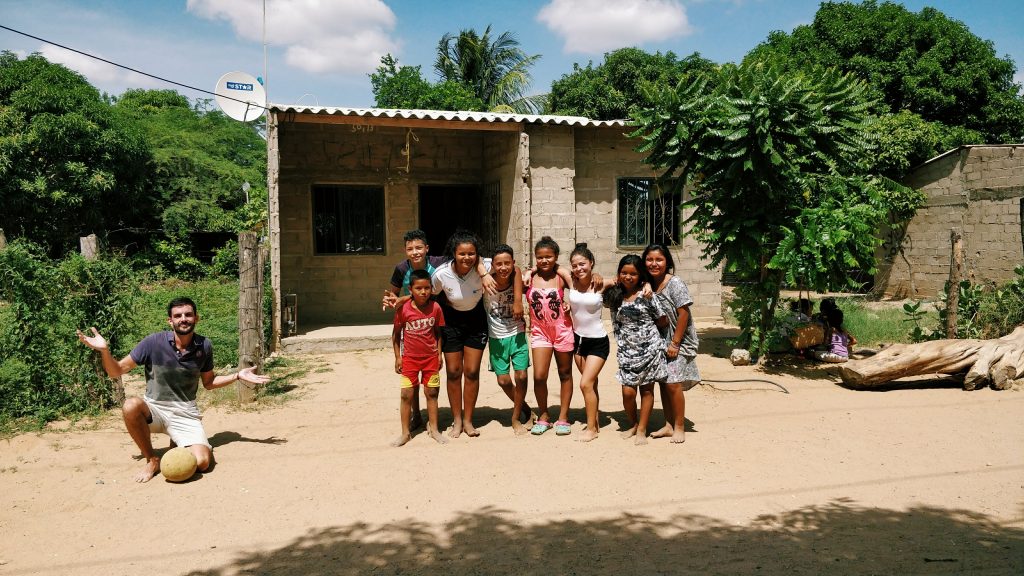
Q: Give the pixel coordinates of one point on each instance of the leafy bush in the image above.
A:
(45, 372)
(981, 312)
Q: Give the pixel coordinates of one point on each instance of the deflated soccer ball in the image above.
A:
(178, 465)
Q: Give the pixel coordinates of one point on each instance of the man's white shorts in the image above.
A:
(179, 420)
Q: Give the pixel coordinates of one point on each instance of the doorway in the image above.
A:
(444, 208)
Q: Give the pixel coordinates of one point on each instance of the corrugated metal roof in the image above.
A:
(488, 117)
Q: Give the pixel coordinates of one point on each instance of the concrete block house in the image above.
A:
(976, 189)
(346, 184)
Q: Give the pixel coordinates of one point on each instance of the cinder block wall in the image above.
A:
(976, 189)
(552, 193)
(346, 289)
(602, 156)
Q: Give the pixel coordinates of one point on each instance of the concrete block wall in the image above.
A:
(603, 155)
(346, 289)
(977, 189)
(503, 164)
(552, 193)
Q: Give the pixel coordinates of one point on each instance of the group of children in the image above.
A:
(449, 310)
(835, 341)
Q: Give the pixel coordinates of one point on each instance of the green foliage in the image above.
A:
(45, 372)
(405, 87)
(68, 165)
(777, 164)
(627, 80)
(497, 72)
(1002, 309)
(924, 62)
(225, 261)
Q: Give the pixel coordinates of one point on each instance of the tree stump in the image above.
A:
(998, 362)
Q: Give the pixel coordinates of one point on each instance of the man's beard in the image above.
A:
(180, 331)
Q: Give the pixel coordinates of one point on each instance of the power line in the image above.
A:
(130, 68)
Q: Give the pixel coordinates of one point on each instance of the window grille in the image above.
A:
(647, 214)
(348, 220)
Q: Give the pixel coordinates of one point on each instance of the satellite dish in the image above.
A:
(240, 96)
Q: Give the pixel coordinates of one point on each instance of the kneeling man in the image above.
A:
(175, 360)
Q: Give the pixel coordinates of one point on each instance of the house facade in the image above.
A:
(346, 184)
(977, 190)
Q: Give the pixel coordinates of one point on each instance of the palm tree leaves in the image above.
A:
(497, 72)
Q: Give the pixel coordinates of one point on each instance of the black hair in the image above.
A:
(670, 264)
(416, 234)
(835, 320)
(461, 236)
(504, 249)
(805, 306)
(826, 305)
(419, 275)
(614, 294)
(582, 250)
(181, 301)
(547, 242)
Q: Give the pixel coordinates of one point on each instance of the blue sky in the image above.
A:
(320, 51)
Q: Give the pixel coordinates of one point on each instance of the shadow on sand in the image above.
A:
(838, 538)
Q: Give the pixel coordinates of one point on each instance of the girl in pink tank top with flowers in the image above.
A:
(550, 334)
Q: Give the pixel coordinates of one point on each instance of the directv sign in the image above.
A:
(239, 86)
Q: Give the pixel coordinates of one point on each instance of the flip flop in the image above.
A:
(540, 427)
(562, 428)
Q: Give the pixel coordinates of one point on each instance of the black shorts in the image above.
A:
(591, 346)
(463, 329)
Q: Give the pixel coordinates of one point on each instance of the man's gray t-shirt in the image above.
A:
(172, 376)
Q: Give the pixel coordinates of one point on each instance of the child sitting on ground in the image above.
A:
(418, 323)
(840, 341)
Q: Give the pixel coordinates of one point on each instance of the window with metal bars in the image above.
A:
(647, 214)
(348, 219)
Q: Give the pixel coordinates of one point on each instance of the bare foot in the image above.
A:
(471, 431)
(151, 469)
(416, 422)
(679, 436)
(664, 432)
(456, 430)
(401, 440)
(641, 439)
(586, 435)
(628, 433)
(518, 428)
(437, 436)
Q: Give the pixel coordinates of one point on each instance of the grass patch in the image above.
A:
(874, 323)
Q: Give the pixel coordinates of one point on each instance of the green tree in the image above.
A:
(201, 160)
(777, 163)
(68, 165)
(397, 86)
(925, 63)
(623, 83)
(497, 72)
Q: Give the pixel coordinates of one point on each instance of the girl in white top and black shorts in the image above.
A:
(464, 335)
(592, 345)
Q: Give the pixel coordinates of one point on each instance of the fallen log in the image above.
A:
(998, 362)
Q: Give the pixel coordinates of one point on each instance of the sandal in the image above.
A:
(562, 428)
(540, 427)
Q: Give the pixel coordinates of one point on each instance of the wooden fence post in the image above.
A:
(249, 309)
(90, 247)
(3, 239)
(956, 273)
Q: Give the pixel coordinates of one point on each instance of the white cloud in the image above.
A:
(98, 73)
(596, 26)
(318, 36)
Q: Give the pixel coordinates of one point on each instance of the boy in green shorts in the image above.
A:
(507, 343)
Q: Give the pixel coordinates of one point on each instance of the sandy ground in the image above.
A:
(782, 472)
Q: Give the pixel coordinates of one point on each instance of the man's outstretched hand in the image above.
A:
(246, 375)
(96, 341)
